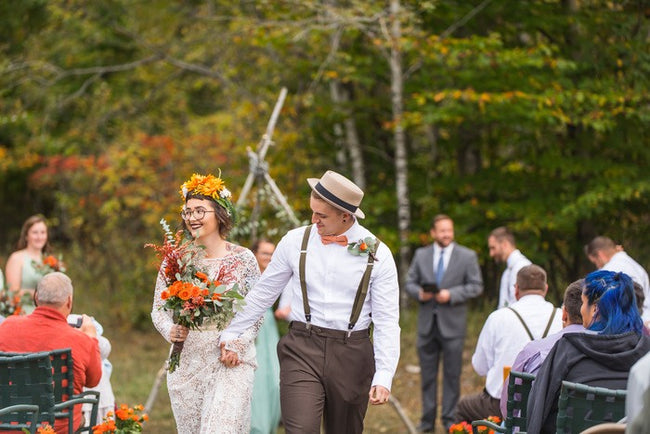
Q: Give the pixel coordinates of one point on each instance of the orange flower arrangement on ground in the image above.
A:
(46, 428)
(466, 428)
(190, 294)
(125, 420)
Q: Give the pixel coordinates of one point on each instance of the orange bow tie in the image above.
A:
(341, 240)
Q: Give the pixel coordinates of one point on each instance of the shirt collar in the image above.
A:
(437, 248)
(354, 232)
(513, 257)
(49, 312)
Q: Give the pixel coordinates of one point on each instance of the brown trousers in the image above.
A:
(324, 374)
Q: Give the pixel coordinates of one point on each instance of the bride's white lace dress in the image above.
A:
(206, 396)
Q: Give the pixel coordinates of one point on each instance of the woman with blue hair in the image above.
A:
(600, 357)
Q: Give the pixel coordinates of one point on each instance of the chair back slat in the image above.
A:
(26, 379)
(581, 406)
(519, 386)
(63, 374)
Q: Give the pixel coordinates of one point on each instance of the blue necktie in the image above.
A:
(440, 270)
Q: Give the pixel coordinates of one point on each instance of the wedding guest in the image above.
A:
(605, 254)
(329, 367)
(504, 334)
(284, 305)
(265, 411)
(501, 245)
(105, 389)
(207, 397)
(637, 385)
(47, 329)
(531, 357)
(443, 277)
(602, 358)
(22, 272)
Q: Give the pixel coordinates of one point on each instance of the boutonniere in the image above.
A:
(364, 247)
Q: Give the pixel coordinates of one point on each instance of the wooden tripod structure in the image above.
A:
(259, 171)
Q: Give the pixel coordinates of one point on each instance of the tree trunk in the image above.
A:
(350, 143)
(401, 155)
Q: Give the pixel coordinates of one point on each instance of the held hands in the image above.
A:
(443, 296)
(228, 358)
(379, 395)
(425, 296)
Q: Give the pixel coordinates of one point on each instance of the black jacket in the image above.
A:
(587, 358)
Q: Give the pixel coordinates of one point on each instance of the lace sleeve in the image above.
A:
(162, 319)
(249, 276)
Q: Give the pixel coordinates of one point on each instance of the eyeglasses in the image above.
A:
(198, 213)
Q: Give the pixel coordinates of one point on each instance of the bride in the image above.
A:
(206, 396)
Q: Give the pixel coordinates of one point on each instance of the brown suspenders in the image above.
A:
(362, 290)
(530, 335)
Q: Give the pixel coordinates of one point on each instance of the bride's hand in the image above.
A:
(228, 358)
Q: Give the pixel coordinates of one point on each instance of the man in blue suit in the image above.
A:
(443, 276)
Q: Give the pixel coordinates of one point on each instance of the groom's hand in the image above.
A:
(228, 358)
(379, 395)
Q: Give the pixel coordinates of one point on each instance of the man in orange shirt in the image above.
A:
(47, 329)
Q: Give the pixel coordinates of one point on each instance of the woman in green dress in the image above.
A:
(21, 272)
(265, 411)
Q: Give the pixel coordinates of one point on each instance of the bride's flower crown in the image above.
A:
(211, 186)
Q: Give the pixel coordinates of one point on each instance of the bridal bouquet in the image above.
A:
(49, 264)
(9, 303)
(191, 296)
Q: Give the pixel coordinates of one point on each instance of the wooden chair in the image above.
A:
(581, 406)
(26, 379)
(519, 386)
(64, 396)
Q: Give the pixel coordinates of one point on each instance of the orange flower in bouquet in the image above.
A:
(190, 295)
(49, 264)
(125, 420)
(9, 303)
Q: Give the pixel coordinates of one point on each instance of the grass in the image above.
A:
(138, 356)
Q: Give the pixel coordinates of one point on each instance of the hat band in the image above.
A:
(327, 195)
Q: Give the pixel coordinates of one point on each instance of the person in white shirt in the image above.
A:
(501, 246)
(606, 255)
(637, 384)
(329, 367)
(504, 334)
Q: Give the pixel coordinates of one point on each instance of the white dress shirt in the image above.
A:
(445, 257)
(622, 262)
(515, 262)
(332, 275)
(503, 337)
(637, 383)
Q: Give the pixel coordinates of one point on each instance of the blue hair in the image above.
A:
(613, 295)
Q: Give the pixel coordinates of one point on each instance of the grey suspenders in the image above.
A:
(530, 335)
(362, 290)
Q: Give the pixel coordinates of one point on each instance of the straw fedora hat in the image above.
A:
(338, 191)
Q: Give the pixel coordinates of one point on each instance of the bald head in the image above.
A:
(54, 290)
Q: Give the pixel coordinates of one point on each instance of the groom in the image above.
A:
(342, 279)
